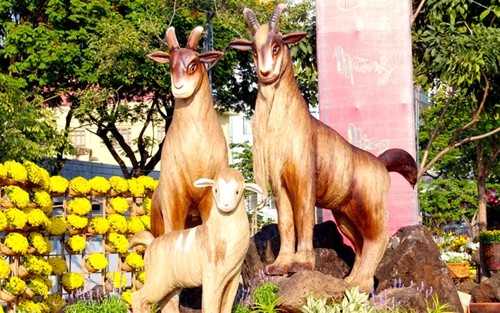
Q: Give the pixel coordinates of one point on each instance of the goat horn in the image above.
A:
(171, 39)
(251, 20)
(275, 17)
(194, 37)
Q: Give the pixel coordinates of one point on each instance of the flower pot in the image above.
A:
(138, 210)
(21, 271)
(109, 248)
(28, 294)
(89, 267)
(71, 251)
(141, 249)
(73, 232)
(7, 297)
(7, 251)
(137, 284)
(70, 290)
(491, 252)
(490, 307)
(459, 270)
(125, 267)
(6, 204)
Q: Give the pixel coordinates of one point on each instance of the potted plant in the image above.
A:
(96, 262)
(13, 286)
(458, 263)
(490, 245)
(72, 281)
(98, 226)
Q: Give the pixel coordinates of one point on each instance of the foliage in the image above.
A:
(72, 280)
(110, 304)
(457, 248)
(98, 261)
(444, 201)
(489, 236)
(356, 301)
(92, 55)
(99, 184)
(77, 243)
(119, 204)
(17, 242)
(58, 184)
(242, 159)
(79, 206)
(265, 299)
(456, 44)
(28, 128)
(14, 285)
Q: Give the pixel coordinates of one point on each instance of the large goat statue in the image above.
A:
(210, 255)
(308, 163)
(194, 145)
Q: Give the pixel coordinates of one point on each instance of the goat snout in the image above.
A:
(265, 73)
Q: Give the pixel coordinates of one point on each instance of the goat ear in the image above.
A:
(204, 182)
(293, 37)
(159, 56)
(240, 45)
(210, 56)
(253, 187)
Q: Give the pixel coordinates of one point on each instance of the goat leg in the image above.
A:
(287, 235)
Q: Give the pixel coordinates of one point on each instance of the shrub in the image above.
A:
(489, 236)
(111, 304)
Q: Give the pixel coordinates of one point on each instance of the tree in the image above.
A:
(456, 47)
(21, 138)
(92, 55)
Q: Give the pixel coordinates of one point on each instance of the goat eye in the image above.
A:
(237, 192)
(215, 190)
(192, 67)
(276, 49)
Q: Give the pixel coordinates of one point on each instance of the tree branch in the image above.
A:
(417, 11)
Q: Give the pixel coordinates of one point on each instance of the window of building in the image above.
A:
(126, 132)
(247, 126)
(78, 138)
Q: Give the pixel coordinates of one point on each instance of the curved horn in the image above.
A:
(275, 17)
(171, 39)
(251, 20)
(194, 37)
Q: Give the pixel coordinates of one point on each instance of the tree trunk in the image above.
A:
(481, 194)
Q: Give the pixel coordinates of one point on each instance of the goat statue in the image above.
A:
(194, 145)
(210, 254)
(307, 163)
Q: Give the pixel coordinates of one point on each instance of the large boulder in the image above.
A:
(488, 290)
(333, 256)
(404, 298)
(413, 259)
(297, 288)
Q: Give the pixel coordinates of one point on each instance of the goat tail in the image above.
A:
(141, 238)
(400, 161)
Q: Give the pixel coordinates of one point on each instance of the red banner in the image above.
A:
(366, 85)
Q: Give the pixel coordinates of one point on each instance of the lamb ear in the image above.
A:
(253, 187)
(159, 56)
(204, 182)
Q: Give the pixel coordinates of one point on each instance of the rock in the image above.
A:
(413, 258)
(401, 298)
(297, 287)
(488, 290)
(333, 256)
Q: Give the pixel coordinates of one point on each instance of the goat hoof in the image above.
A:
(298, 267)
(276, 270)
